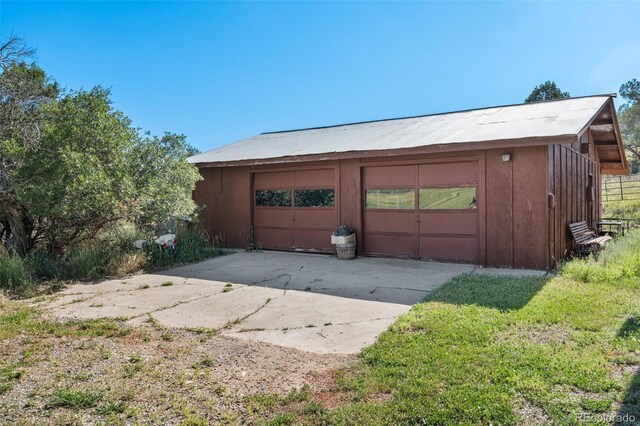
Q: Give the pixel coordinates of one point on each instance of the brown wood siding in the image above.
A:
(516, 215)
(530, 222)
(499, 212)
(517, 228)
(575, 201)
(350, 206)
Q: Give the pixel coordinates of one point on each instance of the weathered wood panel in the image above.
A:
(530, 215)
(499, 210)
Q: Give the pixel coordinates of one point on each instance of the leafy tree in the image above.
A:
(71, 164)
(629, 117)
(24, 90)
(163, 179)
(79, 176)
(547, 91)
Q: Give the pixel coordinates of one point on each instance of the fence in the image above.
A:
(621, 188)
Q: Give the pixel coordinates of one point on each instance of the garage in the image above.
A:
(422, 211)
(494, 186)
(294, 210)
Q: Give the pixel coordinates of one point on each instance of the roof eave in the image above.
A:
(428, 149)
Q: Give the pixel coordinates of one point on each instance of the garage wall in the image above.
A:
(575, 185)
(514, 219)
(350, 198)
(517, 211)
(225, 195)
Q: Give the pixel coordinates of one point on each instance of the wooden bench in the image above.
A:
(586, 239)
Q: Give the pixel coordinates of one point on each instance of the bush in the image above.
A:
(194, 245)
(14, 277)
(111, 253)
(624, 209)
(619, 262)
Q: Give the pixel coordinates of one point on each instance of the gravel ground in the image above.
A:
(154, 375)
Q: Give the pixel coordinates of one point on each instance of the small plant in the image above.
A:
(144, 287)
(130, 370)
(298, 395)
(73, 398)
(310, 326)
(96, 305)
(167, 337)
(135, 365)
(104, 353)
(166, 284)
(207, 361)
(111, 408)
(282, 419)
(326, 324)
(313, 408)
(227, 287)
(135, 359)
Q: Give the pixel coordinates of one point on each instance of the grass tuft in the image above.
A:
(73, 398)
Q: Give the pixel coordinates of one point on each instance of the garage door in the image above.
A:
(295, 210)
(426, 211)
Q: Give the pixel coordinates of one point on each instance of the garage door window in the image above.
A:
(314, 197)
(273, 198)
(460, 198)
(390, 198)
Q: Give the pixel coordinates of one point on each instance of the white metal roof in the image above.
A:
(545, 119)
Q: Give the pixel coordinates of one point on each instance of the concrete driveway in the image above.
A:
(315, 303)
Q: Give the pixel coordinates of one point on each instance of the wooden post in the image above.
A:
(621, 193)
(606, 194)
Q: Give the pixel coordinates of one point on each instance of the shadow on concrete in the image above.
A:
(383, 280)
(499, 292)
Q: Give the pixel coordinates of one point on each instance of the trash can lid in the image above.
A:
(343, 231)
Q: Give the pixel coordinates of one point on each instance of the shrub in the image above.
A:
(14, 276)
(110, 253)
(619, 262)
(626, 209)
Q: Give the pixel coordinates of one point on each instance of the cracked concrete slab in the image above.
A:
(298, 309)
(217, 312)
(310, 302)
(333, 338)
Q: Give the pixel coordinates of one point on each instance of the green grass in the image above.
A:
(17, 319)
(73, 398)
(625, 209)
(503, 351)
(14, 276)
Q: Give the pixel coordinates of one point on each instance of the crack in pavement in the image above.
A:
(74, 301)
(284, 287)
(181, 302)
(239, 320)
(306, 326)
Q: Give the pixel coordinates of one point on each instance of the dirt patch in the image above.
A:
(152, 376)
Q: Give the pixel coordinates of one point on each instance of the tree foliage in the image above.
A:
(71, 164)
(629, 118)
(547, 91)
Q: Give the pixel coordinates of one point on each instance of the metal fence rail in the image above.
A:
(621, 188)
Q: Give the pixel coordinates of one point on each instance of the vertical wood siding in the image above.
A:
(575, 199)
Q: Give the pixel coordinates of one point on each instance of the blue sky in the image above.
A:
(219, 72)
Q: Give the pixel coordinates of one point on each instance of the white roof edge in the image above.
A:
(559, 118)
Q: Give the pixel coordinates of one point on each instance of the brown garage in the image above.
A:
(494, 186)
